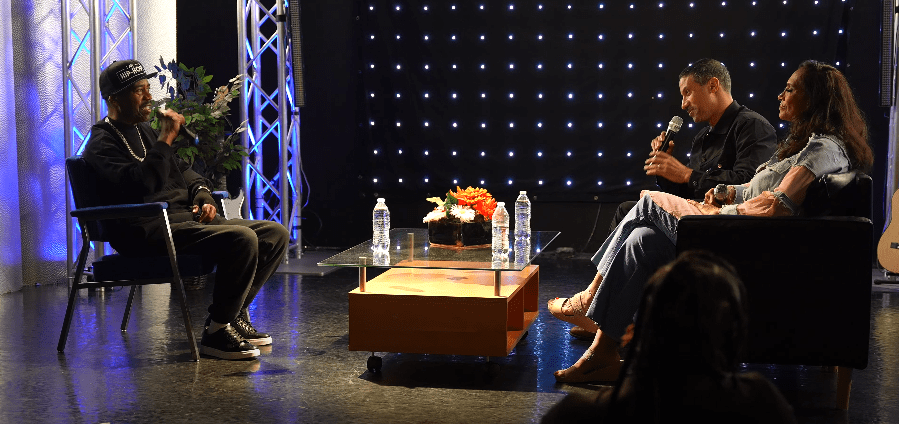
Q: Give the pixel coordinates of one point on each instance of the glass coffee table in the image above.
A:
(440, 300)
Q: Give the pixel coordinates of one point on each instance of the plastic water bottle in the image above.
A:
(380, 224)
(500, 243)
(522, 225)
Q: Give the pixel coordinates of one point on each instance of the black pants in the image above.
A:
(246, 252)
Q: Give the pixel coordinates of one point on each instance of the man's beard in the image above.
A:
(141, 113)
(145, 111)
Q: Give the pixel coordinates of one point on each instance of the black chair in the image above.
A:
(124, 270)
(808, 278)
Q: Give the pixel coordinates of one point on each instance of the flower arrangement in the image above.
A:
(465, 205)
(462, 219)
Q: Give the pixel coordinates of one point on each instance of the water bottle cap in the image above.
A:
(381, 200)
(522, 192)
(500, 204)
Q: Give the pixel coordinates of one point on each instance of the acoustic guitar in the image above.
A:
(888, 246)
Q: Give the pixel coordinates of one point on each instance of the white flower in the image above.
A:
(435, 215)
(464, 213)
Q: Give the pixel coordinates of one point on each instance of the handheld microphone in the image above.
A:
(673, 127)
(720, 194)
(187, 133)
(183, 131)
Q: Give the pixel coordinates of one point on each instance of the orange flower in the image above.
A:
(478, 199)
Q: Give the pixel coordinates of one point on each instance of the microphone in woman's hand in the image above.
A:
(721, 194)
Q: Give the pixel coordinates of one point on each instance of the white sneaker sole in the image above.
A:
(244, 354)
(260, 342)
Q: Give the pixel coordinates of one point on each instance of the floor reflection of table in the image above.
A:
(439, 300)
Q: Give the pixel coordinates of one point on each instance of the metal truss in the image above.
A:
(94, 33)
(273, 169)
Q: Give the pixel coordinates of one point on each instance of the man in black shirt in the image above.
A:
(727, 151)
(135, 164)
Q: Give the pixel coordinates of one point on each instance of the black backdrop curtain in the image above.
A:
(762, 44)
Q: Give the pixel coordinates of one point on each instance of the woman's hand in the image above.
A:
(705, 208)
(709, 198)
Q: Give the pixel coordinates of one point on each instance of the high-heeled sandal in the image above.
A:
(579, 306)
(603, 373)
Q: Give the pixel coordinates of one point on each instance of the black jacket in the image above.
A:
(727, 153)
(160, 177)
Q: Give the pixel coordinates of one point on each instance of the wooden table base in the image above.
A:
(443, 311)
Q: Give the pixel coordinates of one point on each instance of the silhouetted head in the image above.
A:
(692, 318)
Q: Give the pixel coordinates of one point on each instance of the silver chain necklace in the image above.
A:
(128, 145)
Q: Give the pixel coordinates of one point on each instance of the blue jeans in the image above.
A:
(643, 241)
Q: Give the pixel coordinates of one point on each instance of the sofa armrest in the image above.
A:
(808, 283)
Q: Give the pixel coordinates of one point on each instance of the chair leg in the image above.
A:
(185, 312)
(128, 308)
(76, 284)
(176, 280)
(844, 384)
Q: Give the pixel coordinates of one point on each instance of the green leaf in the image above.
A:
(450, 202)
(207, 78)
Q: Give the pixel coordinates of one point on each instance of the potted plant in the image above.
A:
(217, 150)
(463, 219)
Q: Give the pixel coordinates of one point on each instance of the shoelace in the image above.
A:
(233, 335)
(246, 325)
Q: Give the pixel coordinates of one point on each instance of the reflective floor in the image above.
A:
(308, 375)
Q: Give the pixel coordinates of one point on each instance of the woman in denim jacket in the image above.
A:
(827, 135)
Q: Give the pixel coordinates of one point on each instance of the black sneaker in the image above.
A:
(227, 344)
(247, 331)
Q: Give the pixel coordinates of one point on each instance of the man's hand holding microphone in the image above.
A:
(660, 162)
(171, 124)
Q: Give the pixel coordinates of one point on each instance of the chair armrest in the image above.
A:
(120, 211)
(747, 221)
(807, 279)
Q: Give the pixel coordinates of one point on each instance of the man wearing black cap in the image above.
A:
(136, 164)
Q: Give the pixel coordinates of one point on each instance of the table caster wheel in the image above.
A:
(492, 368)
(374, 364)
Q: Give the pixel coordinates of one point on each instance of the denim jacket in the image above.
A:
(824, 154)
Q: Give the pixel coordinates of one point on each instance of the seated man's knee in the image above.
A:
(244, 235)
(646, 242)
(620, 213)
(279, 232)
(274, 234)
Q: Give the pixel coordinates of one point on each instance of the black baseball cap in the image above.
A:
(119, 75)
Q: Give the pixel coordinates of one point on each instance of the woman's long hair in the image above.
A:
(692, 320)
(832, 109)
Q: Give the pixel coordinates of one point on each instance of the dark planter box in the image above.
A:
(455, 233)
